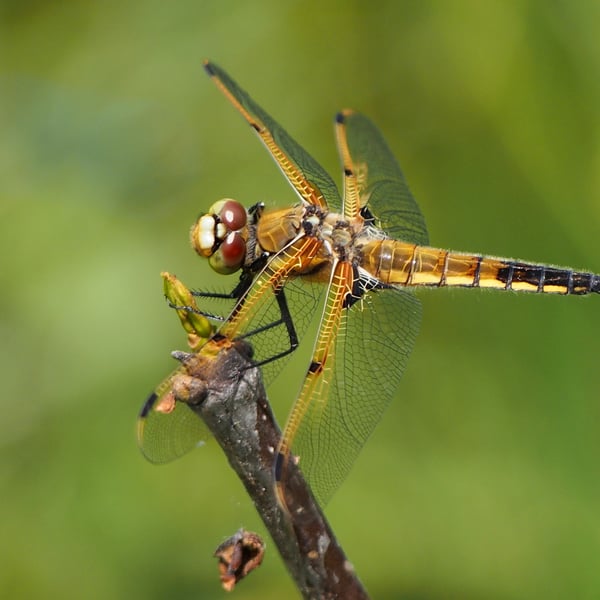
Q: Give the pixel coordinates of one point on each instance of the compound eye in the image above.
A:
(202, 235)
(233, 215)
(229, 212)
(229, 256)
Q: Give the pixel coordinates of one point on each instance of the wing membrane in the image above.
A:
(341, 405)
(381, 184)
(165, 435)
(258, 310)
(312, 183)
(361, 351)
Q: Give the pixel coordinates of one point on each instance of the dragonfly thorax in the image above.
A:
(233, 238)
(338, 235)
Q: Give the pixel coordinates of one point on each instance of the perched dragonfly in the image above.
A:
(354, 262)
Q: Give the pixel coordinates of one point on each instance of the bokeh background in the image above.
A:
(482, 480)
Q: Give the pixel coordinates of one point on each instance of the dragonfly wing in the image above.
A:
(371, 169)
(366, 349)
(257, 316)
(312, 183)
(167, 429)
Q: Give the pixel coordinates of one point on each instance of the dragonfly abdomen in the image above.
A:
(401, 263)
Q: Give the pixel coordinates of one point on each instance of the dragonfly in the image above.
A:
(353, 261)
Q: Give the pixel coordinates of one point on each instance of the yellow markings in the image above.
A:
(351, 183)
(429, 266)
(523, 286)
(293, 174)
(555, 289)
(313, 397)
(294, 258)
(461, 269)
(459, 280)
(488, 273)
(486, 282)
(425, 278)
(401, 263)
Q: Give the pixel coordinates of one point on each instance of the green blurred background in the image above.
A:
(483, 479)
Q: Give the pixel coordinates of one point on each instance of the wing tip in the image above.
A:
(209, 67)
(343, 115)
(148, 405)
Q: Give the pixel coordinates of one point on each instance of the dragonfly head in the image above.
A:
(218, 235)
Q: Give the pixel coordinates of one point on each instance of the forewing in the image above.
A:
(257, 317)
(168, 428)
(305, 174)
(371, 169)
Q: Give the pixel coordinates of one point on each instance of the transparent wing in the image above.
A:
(346, 397)
(370, 167)
(258, 317)
(312, 183)
(167, 429)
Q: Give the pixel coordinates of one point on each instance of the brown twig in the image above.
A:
(228, 394)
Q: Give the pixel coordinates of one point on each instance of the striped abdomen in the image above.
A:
(401, 263)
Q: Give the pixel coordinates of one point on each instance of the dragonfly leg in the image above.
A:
(236, 293)
(285, 319)
(228, 296)
(196, 311)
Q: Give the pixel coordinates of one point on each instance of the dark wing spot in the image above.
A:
(315, 367)
(148, 405)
